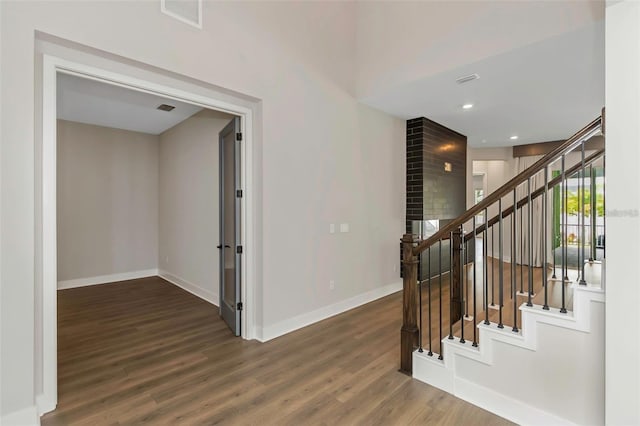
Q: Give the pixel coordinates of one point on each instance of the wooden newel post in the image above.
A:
(409, 330)
(456, 277)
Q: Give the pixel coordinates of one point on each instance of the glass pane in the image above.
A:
(229, 221)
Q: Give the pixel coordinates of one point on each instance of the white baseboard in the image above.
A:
(196, 290)
(25, 417)
(283, 327)
(104, 279)
(44, 405)
(502, 405)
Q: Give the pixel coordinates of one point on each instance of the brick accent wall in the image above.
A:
(415, 176)
(432, 192)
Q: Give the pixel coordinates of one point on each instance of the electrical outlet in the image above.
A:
(166, 260)
(395, 268)
(332, 284)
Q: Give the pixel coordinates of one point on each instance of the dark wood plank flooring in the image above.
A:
(147, 352)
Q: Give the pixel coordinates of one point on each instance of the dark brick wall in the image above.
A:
(415, 176)
(433, 193)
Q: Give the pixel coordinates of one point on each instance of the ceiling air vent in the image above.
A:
(165, 107)
(187, 11)
(467, 78)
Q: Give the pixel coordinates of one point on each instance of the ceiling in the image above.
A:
(92, 102)
(544, 91)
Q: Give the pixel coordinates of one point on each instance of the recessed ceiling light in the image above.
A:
(467, 106)
(484, 141)
(513, 138)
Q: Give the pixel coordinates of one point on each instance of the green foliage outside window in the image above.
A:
(574, 208)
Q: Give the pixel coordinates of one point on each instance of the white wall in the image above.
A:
(1, 317)
(504, 155)
(623, 205)
(107, 201)
(189, 213)
(497, 164)
(320, 157)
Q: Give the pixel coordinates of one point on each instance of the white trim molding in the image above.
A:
(25, 417)
(196, 290)
(213, 99)
(105, 279)
(44, 405)
(287, 326)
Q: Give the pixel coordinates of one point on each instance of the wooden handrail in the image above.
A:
(571, 143)
(535, 194)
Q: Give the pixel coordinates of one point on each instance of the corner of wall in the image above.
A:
(278, 329)
(192, 288)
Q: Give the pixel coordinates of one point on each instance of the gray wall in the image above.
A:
(188, 204)
(107, 201)
(342, 160)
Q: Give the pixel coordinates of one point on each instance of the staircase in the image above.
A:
(515, 323)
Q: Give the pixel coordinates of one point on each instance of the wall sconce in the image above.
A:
(447, 167)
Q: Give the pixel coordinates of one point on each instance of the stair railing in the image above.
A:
(466, 283)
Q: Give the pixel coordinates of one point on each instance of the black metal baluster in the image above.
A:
(513, 262)
(440, 291)
(450, 285)
(594, 213)
(553, 242)
(545, 209)
(579, 211)
(564, 183)
(430, 353)
(501, 261)
(604, 212)
(475, 257)
(486, 265)
(530, 236)
(521, 252)
(463, 284)
(464, 276)
(493, 256)
(420, 304)
(581, 223)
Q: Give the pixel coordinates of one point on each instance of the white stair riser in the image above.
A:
(552, 370)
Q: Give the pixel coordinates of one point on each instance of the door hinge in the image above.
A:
(239, 249)
(239, 193)
(239, 306)
(238, 136)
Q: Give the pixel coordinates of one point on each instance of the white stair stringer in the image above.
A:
(550, 372)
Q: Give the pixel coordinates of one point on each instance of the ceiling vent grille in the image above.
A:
(165, 107)
(187, 11)
(467, 78)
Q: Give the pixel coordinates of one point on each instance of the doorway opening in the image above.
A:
(53, 68)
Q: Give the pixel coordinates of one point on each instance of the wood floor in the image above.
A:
(146, 352)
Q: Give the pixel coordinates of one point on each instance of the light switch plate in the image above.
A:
(332, 228)
(344, 227)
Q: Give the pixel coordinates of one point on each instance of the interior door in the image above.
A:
(230, 243)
